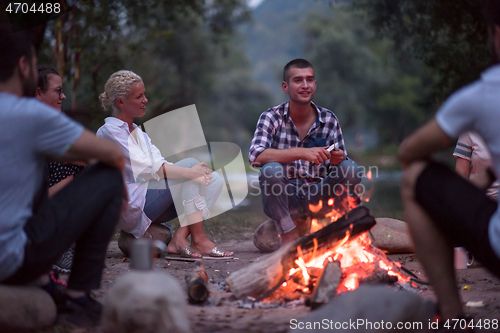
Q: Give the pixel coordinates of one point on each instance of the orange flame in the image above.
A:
(300, 262)
(368, 194)
(355, 252)
(315, 225)
(316, 208)
(352, 203)
(351, 281)
(348, 253)
(333, 215)
(389, 268)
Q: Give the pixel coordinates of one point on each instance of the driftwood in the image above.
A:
(256, 279)
(326, 288)
(196, 283)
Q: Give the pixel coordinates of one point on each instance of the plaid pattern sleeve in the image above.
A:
(263, 136)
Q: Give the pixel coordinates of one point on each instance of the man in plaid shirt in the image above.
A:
(291, 144)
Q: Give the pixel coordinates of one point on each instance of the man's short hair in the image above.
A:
(43, 76)
(295, 63)
(491, 10)
(13, 46)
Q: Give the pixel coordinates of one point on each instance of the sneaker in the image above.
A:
(64, 263)
(56, 289)
(84, 311)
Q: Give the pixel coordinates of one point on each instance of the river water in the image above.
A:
(385, 200)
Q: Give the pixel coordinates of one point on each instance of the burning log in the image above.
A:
(256, 279)
(326, 288)
(362, 275)
(196, 283)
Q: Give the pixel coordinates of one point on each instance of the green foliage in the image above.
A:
(359, 80)
(345, 66)
(448, 36)
(185, 51)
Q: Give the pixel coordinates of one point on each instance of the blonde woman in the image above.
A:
(151, 197)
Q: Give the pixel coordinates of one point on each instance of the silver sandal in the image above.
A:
(219, 253)
(187, 252)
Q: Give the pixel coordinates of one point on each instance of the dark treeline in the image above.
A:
(382, 66)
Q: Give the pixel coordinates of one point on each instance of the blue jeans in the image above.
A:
(287, 200)
(164, 196)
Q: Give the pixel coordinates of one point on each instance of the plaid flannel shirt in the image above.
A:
(275, 129)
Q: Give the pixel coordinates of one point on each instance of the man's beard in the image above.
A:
(30, 85)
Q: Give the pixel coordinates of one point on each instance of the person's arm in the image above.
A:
(316, 155)
(337, 156)
(59, 186)
(423, 143)
(89, 148)
(199, 172)
(339, 153)
(462, 167)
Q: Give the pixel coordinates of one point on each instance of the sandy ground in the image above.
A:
(222, 314)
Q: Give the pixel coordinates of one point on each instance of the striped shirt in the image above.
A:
(471, 147)
(275, 129)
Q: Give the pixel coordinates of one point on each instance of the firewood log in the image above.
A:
(326, 288)
(196, 283)
(257, 278)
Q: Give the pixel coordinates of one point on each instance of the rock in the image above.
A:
(366, 308)
(391, 236)
(266, 237)
(25, 308)
(155, 231)
(145, 302)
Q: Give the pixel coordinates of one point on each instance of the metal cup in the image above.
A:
(462, 258)
(142, 253)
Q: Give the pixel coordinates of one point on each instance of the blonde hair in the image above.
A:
(119, 85)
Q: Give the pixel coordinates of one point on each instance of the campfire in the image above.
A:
(337, 256)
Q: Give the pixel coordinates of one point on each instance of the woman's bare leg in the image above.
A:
(199, 240)
(179, 241)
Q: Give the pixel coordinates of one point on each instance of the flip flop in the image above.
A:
(186, 254)
(217, 254)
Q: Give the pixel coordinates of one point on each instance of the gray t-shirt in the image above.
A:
(476, 107)
(29, 131)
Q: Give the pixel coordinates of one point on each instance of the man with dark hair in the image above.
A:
(295, 63)
(442, 209)
(291, 144)
(36, 230)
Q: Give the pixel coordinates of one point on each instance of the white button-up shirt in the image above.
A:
(143, 160)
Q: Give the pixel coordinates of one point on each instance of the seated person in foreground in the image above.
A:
(50, 92)
(36, 230)
(151, 197)
(290, 144)
(442, 209)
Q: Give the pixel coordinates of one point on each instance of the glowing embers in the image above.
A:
(359, 260)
